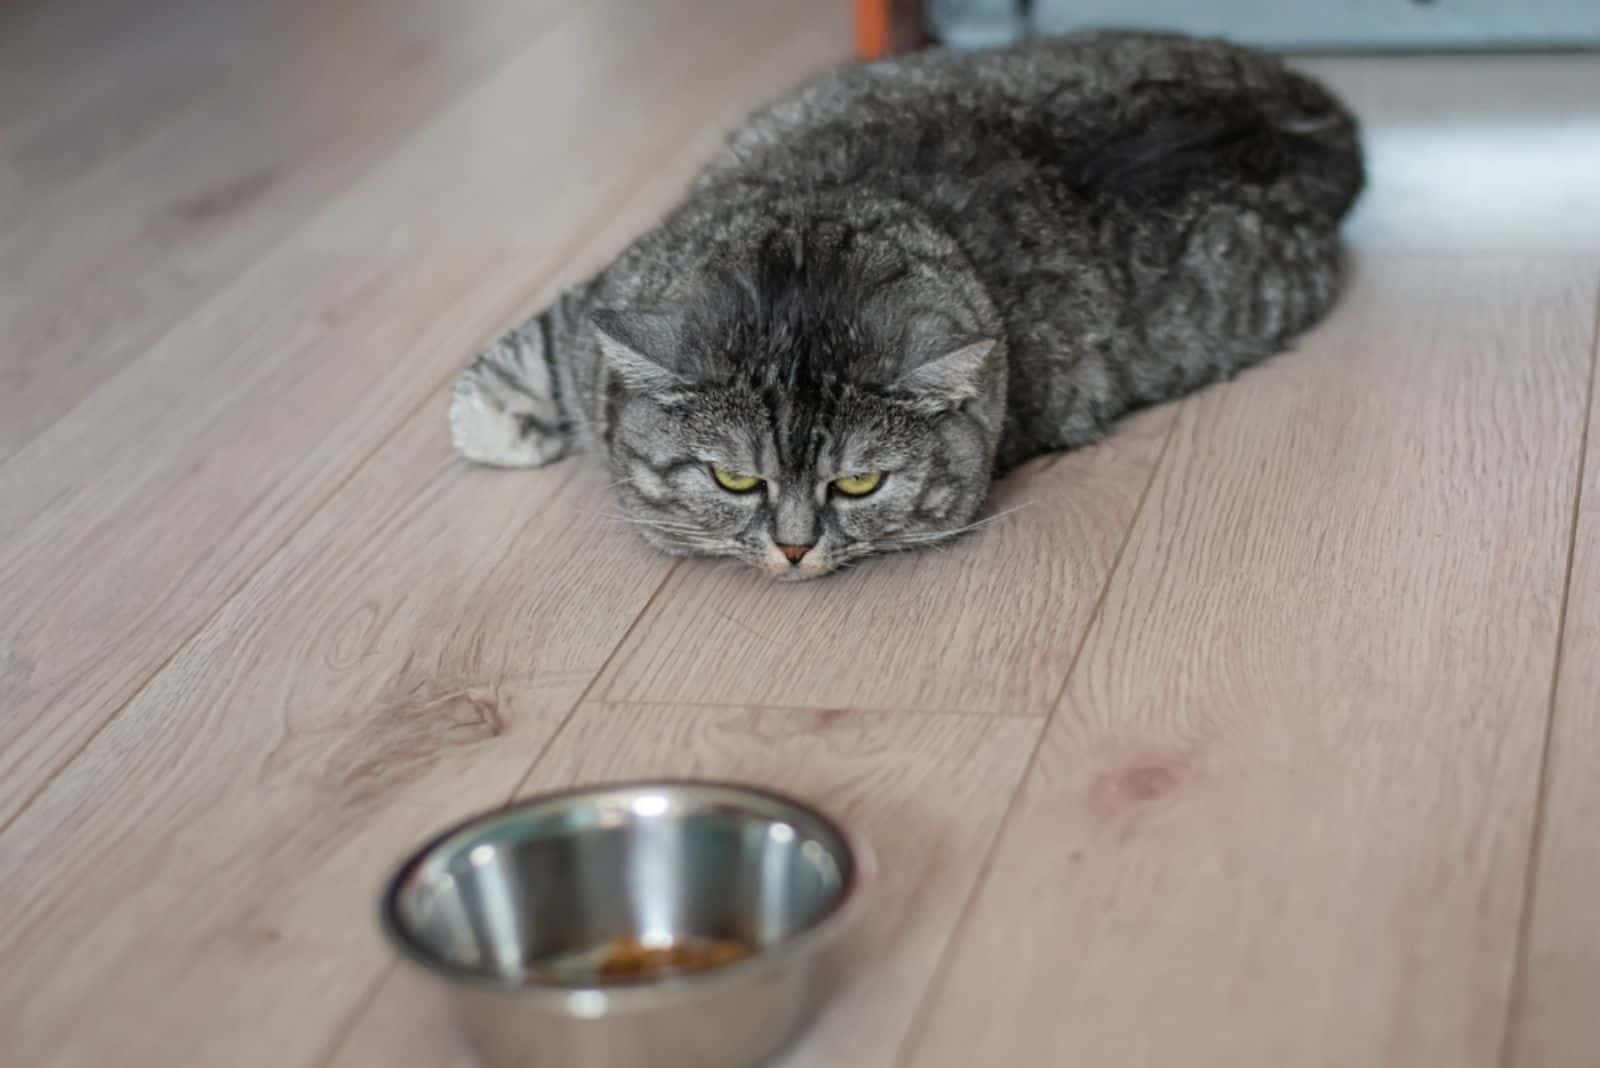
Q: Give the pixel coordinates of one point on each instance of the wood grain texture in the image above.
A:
(403, 659)
(927, 792)
(1556, 1025)
(302, 386)
(280, 111)
(988, 625)
(1282, 814)
(265, 399)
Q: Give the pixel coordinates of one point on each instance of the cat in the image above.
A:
(902, 280)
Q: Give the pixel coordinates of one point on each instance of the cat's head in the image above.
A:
(805, 408)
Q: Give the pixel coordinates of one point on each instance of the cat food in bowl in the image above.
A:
(646, 925)
(628, 958)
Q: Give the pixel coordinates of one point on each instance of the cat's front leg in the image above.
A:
(507, 409)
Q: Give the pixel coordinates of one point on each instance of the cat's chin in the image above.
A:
(794, 574)
(776, 567)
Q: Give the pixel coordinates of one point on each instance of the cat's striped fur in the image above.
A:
(934, 268)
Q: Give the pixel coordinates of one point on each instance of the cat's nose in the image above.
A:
(793, 552)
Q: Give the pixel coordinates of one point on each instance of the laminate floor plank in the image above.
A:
(257, 409)
(249, 132)
(1283, 811)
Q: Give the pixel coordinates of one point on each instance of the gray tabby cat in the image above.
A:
(908, 277)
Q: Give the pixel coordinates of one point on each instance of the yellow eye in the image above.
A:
(857, 485)
(734, 483)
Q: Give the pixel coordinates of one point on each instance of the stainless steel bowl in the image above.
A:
(512, 911)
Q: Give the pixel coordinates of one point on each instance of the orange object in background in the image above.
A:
(885, 26)
(872, 28)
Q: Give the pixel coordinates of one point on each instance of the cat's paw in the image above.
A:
(503, 411)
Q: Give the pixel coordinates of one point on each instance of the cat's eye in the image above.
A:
(734, 483)
(858, 485)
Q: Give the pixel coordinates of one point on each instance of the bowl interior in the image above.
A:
(537, 894)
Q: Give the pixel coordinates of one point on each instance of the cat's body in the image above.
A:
(929, 270)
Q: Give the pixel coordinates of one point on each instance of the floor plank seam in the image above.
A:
(863, 709)
(1511, 1029)
(930, 993)
(348, 1026)
(594, 681)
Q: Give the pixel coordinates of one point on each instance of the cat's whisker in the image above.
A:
(940, 538)
(986, 520)
(654, 524)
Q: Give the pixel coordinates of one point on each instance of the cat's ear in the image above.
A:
(641, 348)
(948, 381)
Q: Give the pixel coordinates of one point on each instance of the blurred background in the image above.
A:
(1325, 24)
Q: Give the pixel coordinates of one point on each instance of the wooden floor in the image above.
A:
(1266, 734)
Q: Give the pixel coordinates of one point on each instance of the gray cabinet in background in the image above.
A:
(1286, 24)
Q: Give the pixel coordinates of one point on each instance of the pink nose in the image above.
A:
(794, 552)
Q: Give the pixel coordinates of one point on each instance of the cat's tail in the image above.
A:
(1302, 154)
(1191, 114)
(1317, 139)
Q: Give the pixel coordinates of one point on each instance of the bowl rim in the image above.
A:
(642, 993)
